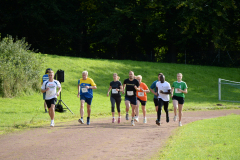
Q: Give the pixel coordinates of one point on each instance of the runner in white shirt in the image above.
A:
(163, 89)
(50, 87)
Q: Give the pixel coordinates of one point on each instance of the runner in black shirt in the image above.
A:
(131, 85)
(116, 87)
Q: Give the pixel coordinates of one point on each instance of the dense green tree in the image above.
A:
(127, 29)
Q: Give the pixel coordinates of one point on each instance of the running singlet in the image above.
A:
(115, 85)
(44, 78)
(130, 90)
(52, 92)
(182, 85)
(165, 86)
(88, 93)
(140, 94)
(153, 86)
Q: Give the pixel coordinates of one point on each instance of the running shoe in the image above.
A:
(136, 119)
(119, 119)
(167, 118)
(180, 124)
(81, 121)
(175, 118)
(127, 116)
(145, 120)
(132, 122)
(88, 120)
(52, 124)
(113, 120)
(158, 122)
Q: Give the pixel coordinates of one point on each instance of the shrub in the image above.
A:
(19, 68)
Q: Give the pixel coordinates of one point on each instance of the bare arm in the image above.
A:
(172, 91)
(78, 90)
(91, 87)
(147, 90)
(44, 90)
(137, 88)
(109, 89)
(168, 92)
(153, 91)
(183, 91)
(124, 85)
(59, 90)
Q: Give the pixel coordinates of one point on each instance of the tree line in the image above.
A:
(175, 31)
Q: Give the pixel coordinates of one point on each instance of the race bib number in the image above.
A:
(84, 90)
(176, 90)
(50, 93)
(140, 94)
(114, 91)
(130, 93)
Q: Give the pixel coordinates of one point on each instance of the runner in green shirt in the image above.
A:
(178, 91)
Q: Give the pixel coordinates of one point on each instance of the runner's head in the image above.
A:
(179, 77)
(84, 75)
(162, 78)
(131, 75)
(139, 78)
(48, 70)
(159, 74)
(116, 77)
(51, 75)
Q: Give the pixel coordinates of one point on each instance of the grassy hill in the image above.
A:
(202, 82)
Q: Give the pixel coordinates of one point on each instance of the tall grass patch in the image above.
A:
(19, 68)
(216, 138)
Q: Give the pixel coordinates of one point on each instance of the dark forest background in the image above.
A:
(204, 32)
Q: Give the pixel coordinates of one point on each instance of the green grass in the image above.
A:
(27, 111)
(216, 138)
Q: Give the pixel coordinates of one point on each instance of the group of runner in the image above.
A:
(135, 94)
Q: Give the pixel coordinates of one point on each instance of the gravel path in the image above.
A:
(100, 140)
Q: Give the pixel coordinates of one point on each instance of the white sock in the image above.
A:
(52, 121)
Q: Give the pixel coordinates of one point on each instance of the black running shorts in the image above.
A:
(179, 99)
(51, 101)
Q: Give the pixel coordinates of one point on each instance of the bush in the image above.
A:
(19, 68)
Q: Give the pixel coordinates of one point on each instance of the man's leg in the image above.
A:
(133, 113)
(82, 108)
(52, 111)
(52, 114)
(166, 103)
(160, 103)
(88, 110)
(127, 103)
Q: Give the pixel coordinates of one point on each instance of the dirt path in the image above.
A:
(100, 140)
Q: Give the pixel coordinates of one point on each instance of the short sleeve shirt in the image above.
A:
(182, 85)
(88, 93)
(130, 90)
(165, 86)
(140, 94)
(52, 92)
(115, 85)
(153, 86)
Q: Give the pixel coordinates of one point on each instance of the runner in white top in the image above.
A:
(164, 89)
(50, 87)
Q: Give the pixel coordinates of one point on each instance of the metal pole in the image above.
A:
(219, 89)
